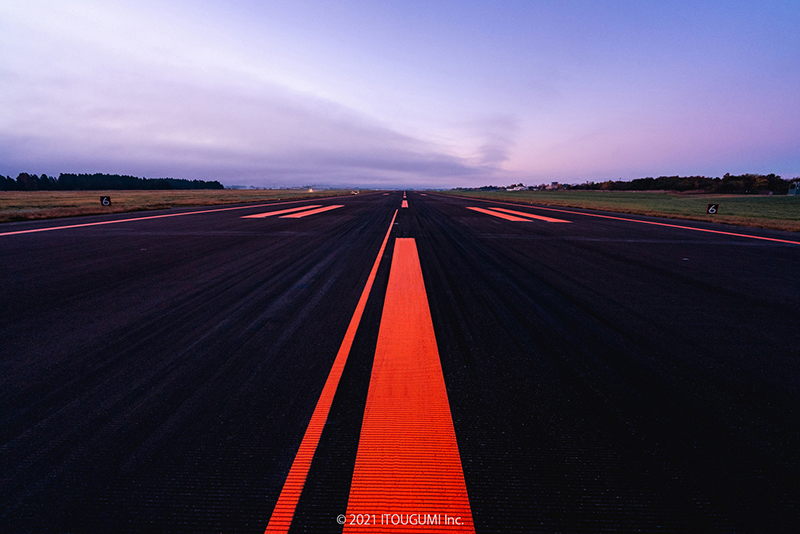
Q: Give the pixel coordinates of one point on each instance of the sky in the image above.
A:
(400, 94)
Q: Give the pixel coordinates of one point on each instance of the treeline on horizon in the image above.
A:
(741, 184)
(98, 182)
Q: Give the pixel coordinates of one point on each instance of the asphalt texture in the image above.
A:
(604, 375)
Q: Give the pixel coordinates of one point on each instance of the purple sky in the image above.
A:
(400, 94)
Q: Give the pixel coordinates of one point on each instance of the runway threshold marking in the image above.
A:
(283, 513)
(497, 214)
(408, 474)
(100, 223)
(280, 212)
(654, 223)
(531, 215)
(312, 212)
(404, 204)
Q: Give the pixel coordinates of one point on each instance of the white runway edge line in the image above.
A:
(156, 217)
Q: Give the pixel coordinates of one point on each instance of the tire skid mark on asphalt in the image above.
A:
(408, 463)
(283, 513)
(531, 216)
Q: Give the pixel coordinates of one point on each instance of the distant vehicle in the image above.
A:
(353, 192)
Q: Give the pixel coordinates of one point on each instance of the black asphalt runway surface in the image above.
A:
(604, 375)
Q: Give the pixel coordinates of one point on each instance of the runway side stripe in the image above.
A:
(100, 223)
(408, 461)
(501, 215)
(762, 238)
(749, 236)
(531, 215)
(280, 212)
(312, 212)
(283, 513)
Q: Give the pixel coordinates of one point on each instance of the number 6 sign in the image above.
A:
(712, 208)
(105, 201)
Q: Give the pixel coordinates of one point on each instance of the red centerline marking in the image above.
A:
(284, 509)
(408, 461)
(280, 212)
(312, 212)
(404, 204)
(531, 215)
(501, 215)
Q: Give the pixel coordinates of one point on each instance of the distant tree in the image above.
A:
(26, 182)
(45, 183)
(7, 183)
(98, 181)
(745, 183)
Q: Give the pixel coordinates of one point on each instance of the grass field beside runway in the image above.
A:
(779, 212)
(30, 205)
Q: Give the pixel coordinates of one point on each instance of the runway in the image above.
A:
(602, 372)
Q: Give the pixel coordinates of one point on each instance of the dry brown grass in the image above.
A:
(30, 205)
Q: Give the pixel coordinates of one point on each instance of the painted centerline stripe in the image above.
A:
(404, 204)
(408, 461)
(497, 214)
(283, 513)
(280, 212)
(531, 215)
(312, 212)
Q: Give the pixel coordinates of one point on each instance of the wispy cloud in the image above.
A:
(499, 137)
(265, 137)
(282, 93)
(116, 111)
